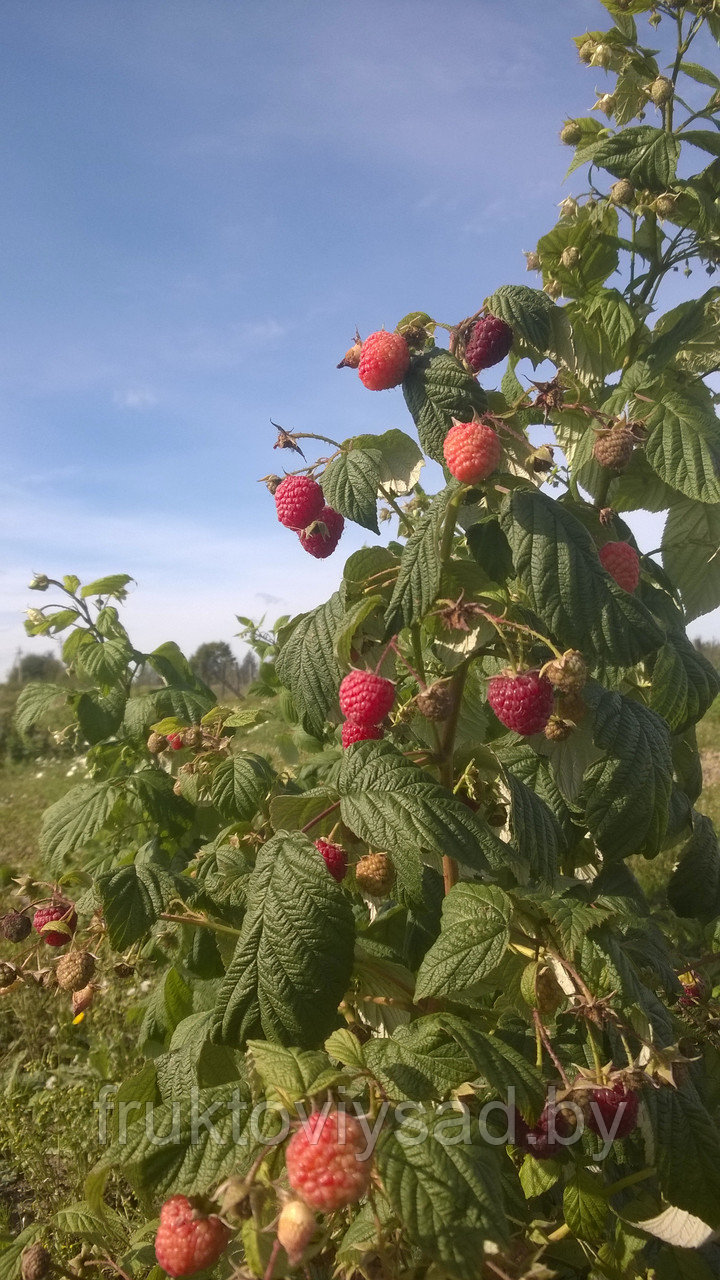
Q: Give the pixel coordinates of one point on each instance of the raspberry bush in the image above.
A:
(424, 926)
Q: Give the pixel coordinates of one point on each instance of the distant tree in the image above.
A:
(35, 666)
(217, 665)
(710, 649)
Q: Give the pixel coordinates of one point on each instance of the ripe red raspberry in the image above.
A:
(335, 858)
(366, 698)
(622, 563)
(605, 1105)
(175, 741)
(319, 543)
(384, 360)
(489, 342)
(328, 1161)
(187, 1241)
(44, 916)
(298, 500)
(522, 702)
(472, 451)
(352, 732)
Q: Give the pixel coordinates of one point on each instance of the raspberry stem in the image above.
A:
(314, 821)
(544, 1037)
(201, 921)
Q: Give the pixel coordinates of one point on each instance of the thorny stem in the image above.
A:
(594, 1049)
(273, 1259)
(573, 973)
(450, 866)
(542, 1033)
(413, 672)
(390, 645)
(201, 921)
(518, 626)
(404, 520)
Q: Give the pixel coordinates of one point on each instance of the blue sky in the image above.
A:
(201, 201)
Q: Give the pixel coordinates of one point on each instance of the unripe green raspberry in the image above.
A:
(622, 192)
(8, 974)
(375, 874)
(74, 971)
(570, 257)
(533, 262)
(571, 133)
(614, 449)
(661, 91)
(156, 743)
(568, 673)
(553, 288)
(192, 737)
(666, 204)
(586, 51)
(557, 729)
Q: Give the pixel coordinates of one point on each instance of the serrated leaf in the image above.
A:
(74, 819)
(291, 812)
(540, 328)
(306, 662)
(474, 935)
(535, 831)
(400, 460)
(594, 236)
(626, 793)
(418, 578)
(694, 887)
(535, 771)
(103, 662)
(438, 389)
(701, 74)
(690, 555)
(647, 157)
(346, 1048)
(34, 701)
(447, 1195)
(352, 621)
(100, 715)
(557, 563)
(608, 309)
(683, 447)
(293, 959)
(585, 1206)
(393, 805)
(133, 899)
(288, 1075)
(499, 1065)
(350, 484)
(706, 139)
(113, 585)
(418, 1062)
(240, 784)
(687, 1151)
(684, 684)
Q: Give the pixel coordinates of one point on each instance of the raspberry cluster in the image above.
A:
(522, 702)
(300, 505)
(327, 1160)
(365, 700)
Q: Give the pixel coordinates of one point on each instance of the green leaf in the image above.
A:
(687, 1151)
(183, 705)
(690, 556)
(535, 831)
(647, 156)
(676, 328)
(291, 812)
(103, 662)
(306, 662)
(392, 804)
(293, 959)
(400, 459)
(350, 625)
(557, 563)
(34, 702)
(626, 793)
(594, 235)
(618, 322)
(499, 1064)
(684, 684)
(418, 1062)
(704, 138)
(350, 484)
(694, 887)
(75, 818)
(540, 327)
(701, 74)
(100, 715)
(133, 899)
(585, 1206)
(534, 770)
(114, 585)
(288, 1075)
(420, 568)
(446, 1194)
(438, 389)
(683, 447)
(474, 936)
(240, 784)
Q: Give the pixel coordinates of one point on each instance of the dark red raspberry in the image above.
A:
(384, 360)
(622, 563)
(605, 1104)
(489, 342)
(472, 451)
(522, 702)
(543, 1140)
(352, 732)
(321, 543)
(44, 916)
(187, 1241)
(328, 1161)
(366, 698)
(175, 741)
(335, 858)
(298, 500)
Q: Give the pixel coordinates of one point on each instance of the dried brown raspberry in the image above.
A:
(81, 1000)
(568, 674)
(8, 974)
(193, 737)
(572, 707)
(435, 702)
(15, 926)
(156, 743)
(375, 874)
(35, 1262)
(74, 971)
(614, 448)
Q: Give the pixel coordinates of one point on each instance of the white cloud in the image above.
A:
(136, 398)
